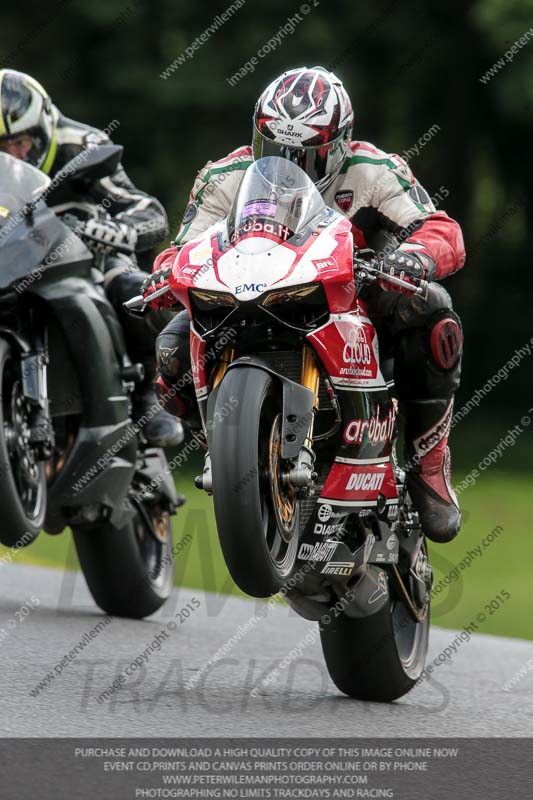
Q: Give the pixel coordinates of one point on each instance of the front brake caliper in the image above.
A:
(302, 475)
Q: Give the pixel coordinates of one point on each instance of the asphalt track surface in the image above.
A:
(464, 696)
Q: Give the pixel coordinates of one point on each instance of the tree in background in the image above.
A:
(408, 67)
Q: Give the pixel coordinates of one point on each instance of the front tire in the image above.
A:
(257, 517)
(128, 571)
(22, 478)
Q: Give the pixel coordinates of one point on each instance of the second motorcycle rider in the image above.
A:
(110, 214)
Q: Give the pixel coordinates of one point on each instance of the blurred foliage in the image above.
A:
(407, 66)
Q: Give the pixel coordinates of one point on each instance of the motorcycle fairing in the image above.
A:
(324, 257)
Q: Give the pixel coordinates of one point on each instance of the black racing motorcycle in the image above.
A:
(69, 452)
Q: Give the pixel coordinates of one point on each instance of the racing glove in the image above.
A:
(157, 280)
(410, 267)
(106, 235)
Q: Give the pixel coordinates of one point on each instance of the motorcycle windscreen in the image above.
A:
(20, 186)
(276, 199)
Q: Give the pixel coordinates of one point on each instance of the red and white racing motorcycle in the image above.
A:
(308, 496)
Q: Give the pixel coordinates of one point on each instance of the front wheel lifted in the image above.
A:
(129, 571)
(257, 512)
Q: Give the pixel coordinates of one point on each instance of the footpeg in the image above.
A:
(133, 373)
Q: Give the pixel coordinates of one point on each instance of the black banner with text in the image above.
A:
(406, 769)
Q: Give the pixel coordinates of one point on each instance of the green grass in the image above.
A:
(497, 499)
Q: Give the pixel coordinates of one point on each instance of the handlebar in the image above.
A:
(372, 271)
(134, 303)
(137, 306)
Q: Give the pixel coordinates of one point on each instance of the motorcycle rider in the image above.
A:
(306, 115)
(110, 209)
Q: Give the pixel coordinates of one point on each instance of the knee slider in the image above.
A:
(171, 351)
(446, 340)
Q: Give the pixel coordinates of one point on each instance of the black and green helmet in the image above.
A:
(25, 107)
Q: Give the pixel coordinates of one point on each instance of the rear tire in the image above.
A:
(22, 485)
(378, 658)
(129, 573)
(260, 559)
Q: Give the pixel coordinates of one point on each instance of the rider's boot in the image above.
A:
(180, 403)
(158, 427)
(428, 467)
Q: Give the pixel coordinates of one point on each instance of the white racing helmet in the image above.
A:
(305, 115)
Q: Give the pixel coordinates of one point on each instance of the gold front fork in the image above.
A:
(310, 378)
(228, 354)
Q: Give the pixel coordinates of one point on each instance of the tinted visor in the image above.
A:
(41, 136)
(40, 143)
(16, 98)
(317, 162)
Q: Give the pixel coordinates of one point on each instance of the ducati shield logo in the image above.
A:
(344, 199)
(189, 213)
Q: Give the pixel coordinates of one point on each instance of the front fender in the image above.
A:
(20, 343)
(297, 406)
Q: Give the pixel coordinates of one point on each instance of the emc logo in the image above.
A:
(250, 287)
